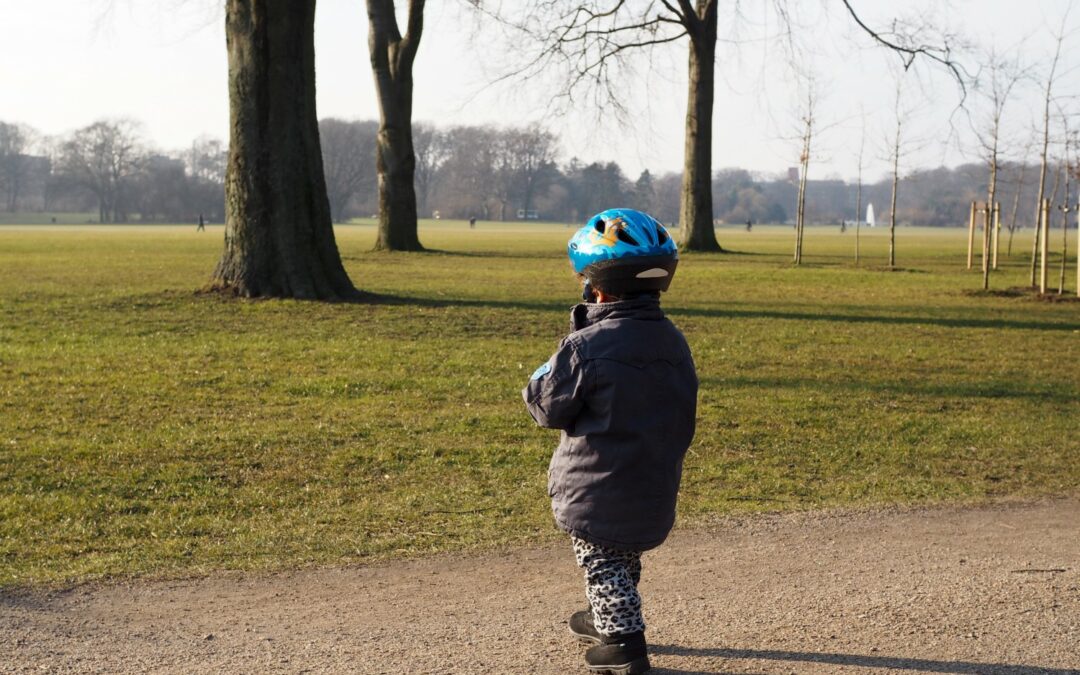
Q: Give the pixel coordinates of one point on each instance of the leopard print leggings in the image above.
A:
(611, 579)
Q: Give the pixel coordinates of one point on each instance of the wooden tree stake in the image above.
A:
(971, 235)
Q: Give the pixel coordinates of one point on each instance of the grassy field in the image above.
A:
(146, 429)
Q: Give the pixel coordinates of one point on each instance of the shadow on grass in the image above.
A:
(562, 307)
(455, 254)
(880, 662)
(989, 390)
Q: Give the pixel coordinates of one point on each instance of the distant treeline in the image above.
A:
(483, 172)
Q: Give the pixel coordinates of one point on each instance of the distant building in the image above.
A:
(793, 174)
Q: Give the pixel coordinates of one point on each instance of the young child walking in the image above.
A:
(623, 390)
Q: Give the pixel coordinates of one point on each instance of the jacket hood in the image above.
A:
(644, 308)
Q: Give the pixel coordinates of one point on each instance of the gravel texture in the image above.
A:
(993, 589)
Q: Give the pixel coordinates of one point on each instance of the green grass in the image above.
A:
(145, 429)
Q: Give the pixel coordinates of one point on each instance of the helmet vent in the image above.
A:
(661, 235)
(624, 237)
(652, 273)
(600, 226)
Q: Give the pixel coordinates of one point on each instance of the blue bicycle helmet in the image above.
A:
(624, 252)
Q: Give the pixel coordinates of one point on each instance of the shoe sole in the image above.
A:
(635, 667)
(585, 637)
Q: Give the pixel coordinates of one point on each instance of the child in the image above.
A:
(623, 390)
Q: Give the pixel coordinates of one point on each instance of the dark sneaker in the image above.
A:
(581, 627)
(619, 655)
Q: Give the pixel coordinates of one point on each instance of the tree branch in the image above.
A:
(909, 52)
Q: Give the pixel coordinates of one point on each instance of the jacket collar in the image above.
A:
(645, 307)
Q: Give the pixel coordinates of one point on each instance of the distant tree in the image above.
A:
(469, 169)
(348, 155)
(644, 197)
(527, 159)
(279, 238)
(104, 158)
(392, 57)
(206, 160)
(431, 150)
(162, 190)
(597, 187)
(15, 164)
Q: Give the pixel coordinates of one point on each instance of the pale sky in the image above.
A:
(67, 63)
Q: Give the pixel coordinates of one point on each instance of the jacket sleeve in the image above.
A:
(556, 392)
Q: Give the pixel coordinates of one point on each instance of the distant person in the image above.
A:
(843, 226)
(749, 225)
(623, 390)
(202, 224)
(472, 222)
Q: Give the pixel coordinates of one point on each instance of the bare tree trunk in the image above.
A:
(800, 215)
(279, 240)
(1043, 241)
(804, 165)
(392, 59)
(892, 203)
(1060, 38)
(858, 210)
(990, 221)
(1016, 206)
(695, 209)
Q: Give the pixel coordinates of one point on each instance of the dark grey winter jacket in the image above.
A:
(623, 390)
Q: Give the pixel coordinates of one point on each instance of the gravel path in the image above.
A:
(986, 590)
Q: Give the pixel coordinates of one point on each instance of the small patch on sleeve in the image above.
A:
(541, 371)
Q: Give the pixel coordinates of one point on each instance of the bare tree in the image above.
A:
(995, 85)
(858, 189)
(808, 120)
(431, 150)
(348, 153)
(896, 149)
(279, 238)
(103, 158)
(1051, 78)
(392, 56)
(207, 158)
(529, 160)
(470, 169)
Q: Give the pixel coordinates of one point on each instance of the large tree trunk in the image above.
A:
(695, 210)
(391, 63)
(279, 240)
